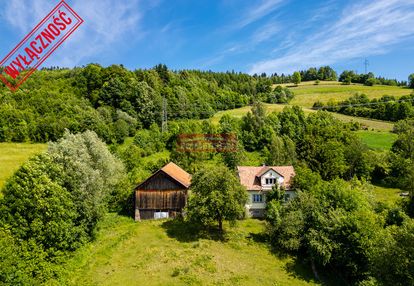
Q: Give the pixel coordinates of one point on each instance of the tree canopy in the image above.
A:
(52, 204)
(215, 196)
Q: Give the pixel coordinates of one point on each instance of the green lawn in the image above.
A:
(166, 253)
(13, 155)
(377, 140)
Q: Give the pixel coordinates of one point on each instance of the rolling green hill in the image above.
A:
(14, 154)
(307, 93)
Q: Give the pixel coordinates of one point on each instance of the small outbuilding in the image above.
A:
(162, 195)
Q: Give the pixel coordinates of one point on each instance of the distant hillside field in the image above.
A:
(306, 94)
(240, 112)
(13, 155)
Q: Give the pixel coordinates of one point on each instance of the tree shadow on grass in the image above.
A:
(295, 267)
(300, 269)
(185, 231)
(263, 238)
(258, 237)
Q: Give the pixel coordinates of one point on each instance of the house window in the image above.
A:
(257, 198)
(270, 181)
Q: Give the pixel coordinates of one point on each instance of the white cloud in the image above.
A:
(251, 14)
(368, 28)
(266, 32)
(257, 12)
(107, 23)
(24, 15)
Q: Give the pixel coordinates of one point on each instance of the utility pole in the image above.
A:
(366, 64)
(164, 119)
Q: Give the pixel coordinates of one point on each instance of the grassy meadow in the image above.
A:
(377, 140)
(13, 155)
(166, 252)
(306, 94)
(385, 195)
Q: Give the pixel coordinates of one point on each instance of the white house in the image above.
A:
(260, 180)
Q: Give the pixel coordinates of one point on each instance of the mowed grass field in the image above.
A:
(13, 155)
(376, 140)
(164, 253)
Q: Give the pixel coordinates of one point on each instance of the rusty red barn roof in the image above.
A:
(175, 172)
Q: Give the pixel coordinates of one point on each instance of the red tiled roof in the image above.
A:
(250, 176)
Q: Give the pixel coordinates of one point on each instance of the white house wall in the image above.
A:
(251, 205)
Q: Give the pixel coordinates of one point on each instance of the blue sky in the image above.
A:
(249, 36)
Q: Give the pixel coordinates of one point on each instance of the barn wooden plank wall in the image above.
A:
(160, 181)
(158, 200)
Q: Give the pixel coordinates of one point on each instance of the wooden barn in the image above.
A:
(162, 195)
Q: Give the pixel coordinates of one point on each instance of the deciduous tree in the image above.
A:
(411, 80)
(296, 78)
(216, 195)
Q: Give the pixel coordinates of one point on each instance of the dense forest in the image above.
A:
(114, 101)
(53, 204)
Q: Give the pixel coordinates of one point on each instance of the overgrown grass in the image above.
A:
(13, 155)
(385, 195)
(376, 140)
(166, 253)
